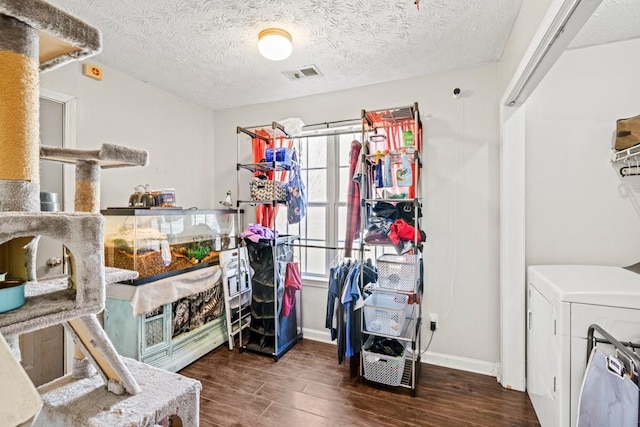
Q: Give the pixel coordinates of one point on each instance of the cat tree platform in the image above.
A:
(108, 156)
(82, 234)
(85, 402)
(62, 38)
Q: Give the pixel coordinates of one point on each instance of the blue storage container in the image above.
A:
(282, 155)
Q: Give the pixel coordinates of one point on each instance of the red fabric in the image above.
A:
(292, 282)
(353, 200)
(400, 230)
(258, 147)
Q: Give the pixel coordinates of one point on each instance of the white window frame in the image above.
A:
(332, 204)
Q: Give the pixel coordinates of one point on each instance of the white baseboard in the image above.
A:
(438, 359)
(462, 363)
(316, 335)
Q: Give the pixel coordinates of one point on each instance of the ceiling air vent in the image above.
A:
(305, 72)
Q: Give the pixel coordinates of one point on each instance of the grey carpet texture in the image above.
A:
(117, 275)
(18, 37)
(25, 196)
(82, 234)
(108, 156)
(111, 359)
(88, 170)
(85, 402)
(51, 20)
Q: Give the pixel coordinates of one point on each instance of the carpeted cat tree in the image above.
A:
(34, 37)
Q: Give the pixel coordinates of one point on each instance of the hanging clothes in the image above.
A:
(292, 283)
(353, 200)
(344, 300)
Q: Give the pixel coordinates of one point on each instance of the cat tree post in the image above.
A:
(88, 164)
(19, 116)
(19, 130)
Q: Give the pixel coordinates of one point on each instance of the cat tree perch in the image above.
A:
(34, 37)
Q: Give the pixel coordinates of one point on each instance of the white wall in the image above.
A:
(122, 110)
(461, 197)
(578, 208)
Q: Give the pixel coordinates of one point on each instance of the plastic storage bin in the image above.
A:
(282, 155)
(397, 272)
(384, 313)
(381, 368)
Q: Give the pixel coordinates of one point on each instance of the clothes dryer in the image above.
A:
(563, 300)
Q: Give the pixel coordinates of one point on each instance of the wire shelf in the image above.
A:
(266, 166)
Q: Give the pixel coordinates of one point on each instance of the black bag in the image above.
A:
(406, 211)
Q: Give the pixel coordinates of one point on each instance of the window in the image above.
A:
(325, 171)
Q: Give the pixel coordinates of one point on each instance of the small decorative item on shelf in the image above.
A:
(166, 198)
(227, 202)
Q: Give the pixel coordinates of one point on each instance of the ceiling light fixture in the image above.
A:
(275, 44)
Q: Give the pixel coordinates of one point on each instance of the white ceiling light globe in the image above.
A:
(275, 44)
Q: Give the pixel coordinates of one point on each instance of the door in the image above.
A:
(49, 257)
(43, 350)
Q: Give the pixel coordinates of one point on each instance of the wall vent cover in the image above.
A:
(305, 72)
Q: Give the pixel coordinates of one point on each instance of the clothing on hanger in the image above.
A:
(344, 300)
(292, 283)
(353, 201)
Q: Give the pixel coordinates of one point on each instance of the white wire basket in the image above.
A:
(381, 368)
(385, 313)
(397, 272)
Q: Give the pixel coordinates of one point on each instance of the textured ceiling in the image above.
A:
(205, 50)
(613, 21)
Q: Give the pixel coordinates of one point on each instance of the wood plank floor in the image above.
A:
(307, 387)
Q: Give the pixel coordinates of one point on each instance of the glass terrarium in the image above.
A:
(162, 242)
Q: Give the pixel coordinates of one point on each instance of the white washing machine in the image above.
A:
(563, 300)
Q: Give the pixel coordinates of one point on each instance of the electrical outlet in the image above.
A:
(433, 321)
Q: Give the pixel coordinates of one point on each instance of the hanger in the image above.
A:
(336, 260)
(285, 256)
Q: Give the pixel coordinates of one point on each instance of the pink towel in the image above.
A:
(292, 282)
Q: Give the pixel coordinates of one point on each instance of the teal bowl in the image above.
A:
(11, 295)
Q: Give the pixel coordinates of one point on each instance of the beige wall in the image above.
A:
(579, 210)
(122, 110)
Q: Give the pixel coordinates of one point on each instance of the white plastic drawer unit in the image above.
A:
(562, 302)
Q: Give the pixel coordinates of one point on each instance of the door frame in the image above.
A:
(68, 180)
(563, 20)
(68, 140)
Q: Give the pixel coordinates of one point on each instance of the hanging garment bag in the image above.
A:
(608, 397)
